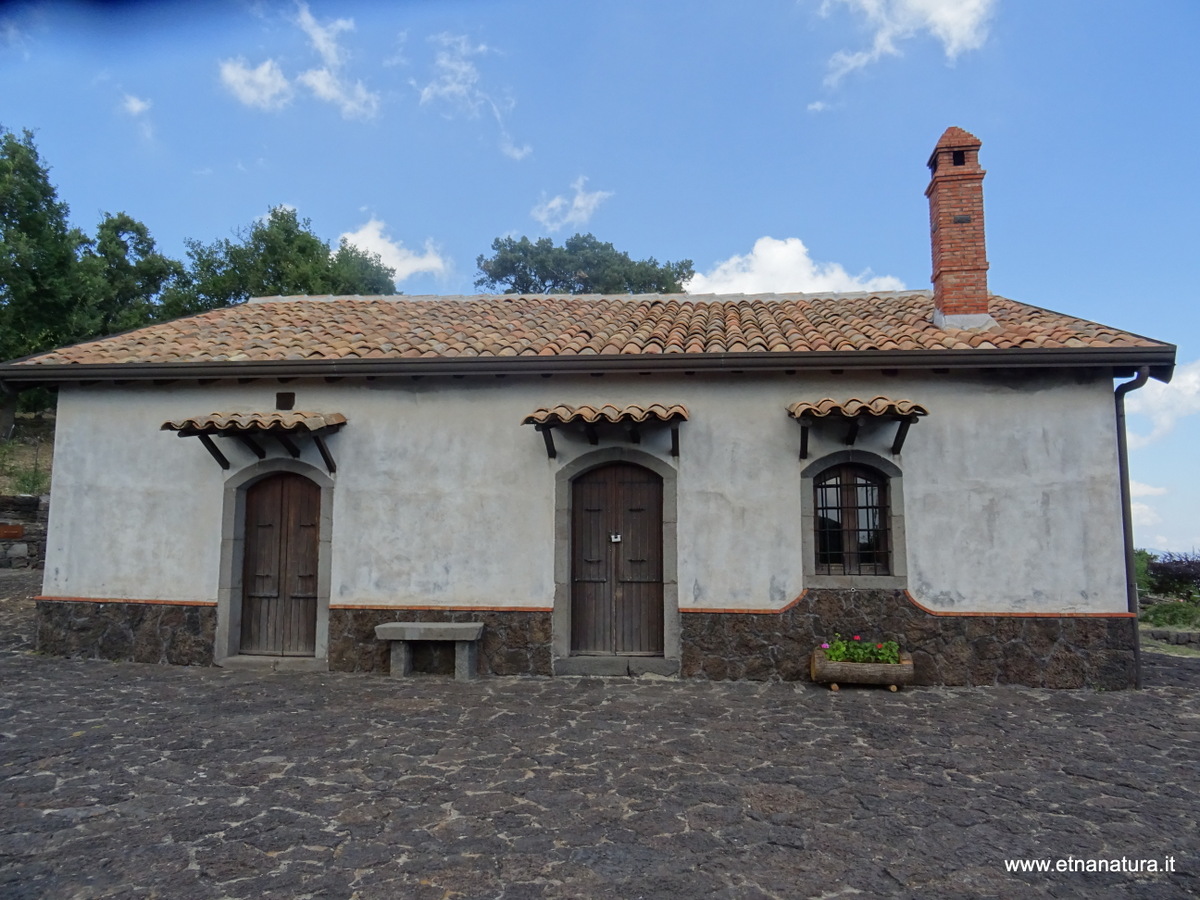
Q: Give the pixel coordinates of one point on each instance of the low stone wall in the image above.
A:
(1171, 636)
(1053, 652)
(513, 643)
(23, 531)
(130, 632)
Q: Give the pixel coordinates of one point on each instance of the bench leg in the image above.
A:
(466, 660)
(401, 659)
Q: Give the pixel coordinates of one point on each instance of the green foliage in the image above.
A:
(583, 265)
(1173, 615)
(124, 275)
(30, 480)
(41, 293)
(278, 256)
(857, 650)
(1176, 575)
(1141, 568)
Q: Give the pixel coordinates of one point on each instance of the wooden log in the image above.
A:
(823, 671)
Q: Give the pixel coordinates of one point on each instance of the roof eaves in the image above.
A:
(1160, 359)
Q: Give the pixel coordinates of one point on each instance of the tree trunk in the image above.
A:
(8, 413)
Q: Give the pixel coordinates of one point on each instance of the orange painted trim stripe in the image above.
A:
(1022, 615)
(127, 600)
(933, 612)
(752, 612)
(447, 608)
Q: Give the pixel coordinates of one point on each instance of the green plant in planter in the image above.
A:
(856, 649)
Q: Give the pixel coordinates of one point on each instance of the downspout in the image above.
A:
(1131, 593)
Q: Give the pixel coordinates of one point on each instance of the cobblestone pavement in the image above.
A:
(133, 781)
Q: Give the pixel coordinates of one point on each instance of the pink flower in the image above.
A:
(857, 638)
(824, 646)
(879, 646)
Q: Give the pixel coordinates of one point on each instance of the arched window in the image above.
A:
(853, 523)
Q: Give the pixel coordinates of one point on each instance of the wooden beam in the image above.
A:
(325, 454)
(635, 433)
(852, 432)
(212, 448)
(551, 453)
(287, 443)
(902, 432)
(250, 444)
(805, 424)
(674, 438)
(589, 428)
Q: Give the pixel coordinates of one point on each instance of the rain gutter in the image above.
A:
(1131, 591)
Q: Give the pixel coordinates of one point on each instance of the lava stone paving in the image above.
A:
(134, 781)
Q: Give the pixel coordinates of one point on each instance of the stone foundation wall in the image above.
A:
(513, 643)
(1053, 652)
(130, 632)
(27, 515)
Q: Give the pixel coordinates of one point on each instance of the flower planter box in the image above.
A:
(823, 671)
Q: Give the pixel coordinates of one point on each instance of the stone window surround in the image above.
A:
(229, 592)
(808, 523)
(563, 662)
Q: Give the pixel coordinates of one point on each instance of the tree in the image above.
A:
(583, 265)
(124, 276)
(276, 256)
(1176, 575)
(40, 289)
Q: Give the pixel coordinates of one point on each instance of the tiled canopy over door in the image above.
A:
(279, 580)
(616, 547)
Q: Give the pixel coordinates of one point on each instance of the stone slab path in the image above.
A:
(130, 781)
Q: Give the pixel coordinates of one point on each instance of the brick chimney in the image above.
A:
(955, 192)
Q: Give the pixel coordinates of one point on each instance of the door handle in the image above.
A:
(614, 537)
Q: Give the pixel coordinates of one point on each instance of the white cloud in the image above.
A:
(135, 106)
(1165, 404)
(783, 266)
(456, 78)
(560, 212)
(1137, 489)
(264, 86)
(511, 150)
(817, 106)
(456, 88)
(373, 238)
(1144, 515)
(960, 25)
(328, 82)
(324, 37)
(354, 100)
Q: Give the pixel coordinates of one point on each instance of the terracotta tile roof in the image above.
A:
(292, 420)
(410, 328)
(852, 408)
(607, 413)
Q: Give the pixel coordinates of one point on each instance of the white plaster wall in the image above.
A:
(442, 497)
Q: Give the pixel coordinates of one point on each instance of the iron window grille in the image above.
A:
(853, 525)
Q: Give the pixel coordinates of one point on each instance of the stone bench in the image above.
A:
(464, 634)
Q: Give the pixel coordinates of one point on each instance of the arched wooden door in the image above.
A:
(617, 562)
(279, 574)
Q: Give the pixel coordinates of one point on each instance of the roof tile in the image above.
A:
(510, 325)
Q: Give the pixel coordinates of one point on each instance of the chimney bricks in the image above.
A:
(955, 192)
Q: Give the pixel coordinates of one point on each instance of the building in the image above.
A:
(694, 485)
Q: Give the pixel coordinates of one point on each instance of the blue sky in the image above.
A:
(779, 144)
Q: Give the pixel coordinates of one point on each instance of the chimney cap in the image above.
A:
(958, 139)
(953, 138)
